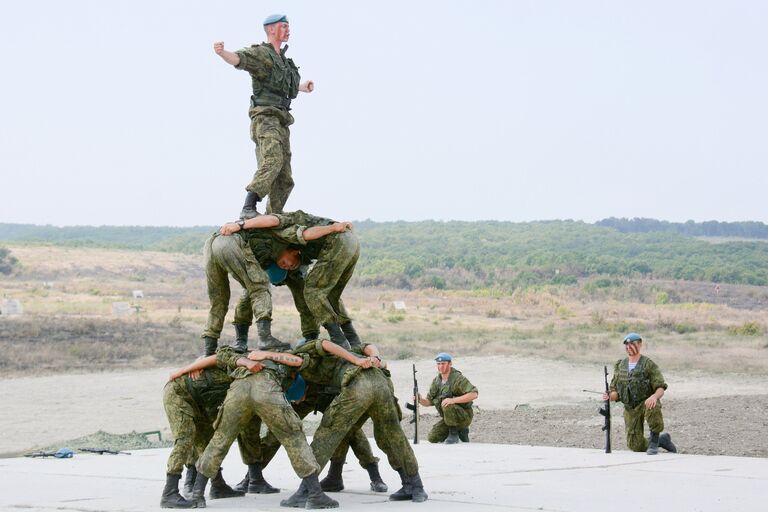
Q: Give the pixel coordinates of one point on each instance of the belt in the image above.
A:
(283, 103)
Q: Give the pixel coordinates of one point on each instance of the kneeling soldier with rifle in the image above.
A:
(452, 394)
(638, 383)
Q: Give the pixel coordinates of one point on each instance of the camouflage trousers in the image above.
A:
(453, 416)
(369, 394)
(226, 256)
(251, 400)
(633, 425)
(244, 309)
(193, 429)
(271, 133)
(355, 439)
(327, 279)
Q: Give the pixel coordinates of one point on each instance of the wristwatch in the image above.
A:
(240, 223)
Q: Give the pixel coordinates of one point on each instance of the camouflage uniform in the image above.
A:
(456, 415)
(335, 257)
(191, 407)
(364, 393)
(295, 283)
(317, 399)
(275, 80)
(253, 398)
(634, 388)
(225, 256)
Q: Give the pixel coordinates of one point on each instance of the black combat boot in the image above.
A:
(464, 434)
(349, 332)
(220, 488)
(316, 498)
(453, 436)
(653, 444)
(249, 207)
(404, 493)
(377, 484)
(171, 497)
(333, 482)
(198, 491)
(189, 480)
(256, 483)
(418, 494)
(337, 335)
(297, 499)
(266, 340)
(665, 441)
(209, 345)
(241, 338)
(242, 485)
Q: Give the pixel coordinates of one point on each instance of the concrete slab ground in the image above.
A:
(462, 477)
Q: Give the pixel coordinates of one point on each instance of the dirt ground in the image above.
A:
(522, 401)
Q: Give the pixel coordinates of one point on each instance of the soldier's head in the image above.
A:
(633, 343)
(444, 361)
(277, 28)
(289, 259)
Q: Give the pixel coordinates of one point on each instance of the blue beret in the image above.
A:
(443, 356)
(632, 337)
(296, 390)
(276, 274)
(275, 18)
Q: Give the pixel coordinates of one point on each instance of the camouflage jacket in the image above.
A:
(456, 385)
(274, 77)
(208, 391)
(636, 386)
(226, 358)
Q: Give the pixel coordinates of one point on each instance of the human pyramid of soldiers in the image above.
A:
(229, 391)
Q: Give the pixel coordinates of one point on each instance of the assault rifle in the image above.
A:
(102, 451)
(415, 407)
(605, 411)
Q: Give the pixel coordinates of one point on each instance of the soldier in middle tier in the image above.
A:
(298, 239)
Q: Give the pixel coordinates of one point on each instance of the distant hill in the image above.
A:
(712, 228)
(472, 255)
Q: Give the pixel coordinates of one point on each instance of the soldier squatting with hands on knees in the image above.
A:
(638, 383)
(452, 394)
(276, 81)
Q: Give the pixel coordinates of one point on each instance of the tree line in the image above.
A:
(470, 255)
(713, 228)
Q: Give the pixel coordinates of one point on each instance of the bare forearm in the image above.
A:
(336, 350)
(463, 399)
(278, 357)
(200, 364)
(230, 57)
(316, 232)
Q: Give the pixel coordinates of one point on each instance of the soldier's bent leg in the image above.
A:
(438, 433)
(633, 426)
(180, 417)
(217, 280)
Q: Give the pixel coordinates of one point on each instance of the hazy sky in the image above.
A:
(120, 113)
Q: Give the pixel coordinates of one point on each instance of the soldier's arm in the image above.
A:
(200, 364)
(372, 351)
(338, 351)
(260, 222)
(464, 389)
(228, 57)
(657, 382)
(316, 232)
(278, 357)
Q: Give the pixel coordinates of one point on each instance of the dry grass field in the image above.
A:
(67, 295)
(548, 342)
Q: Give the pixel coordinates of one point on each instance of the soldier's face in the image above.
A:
(632, 348)
(443, 367)
(289, 260)
(280, 31)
